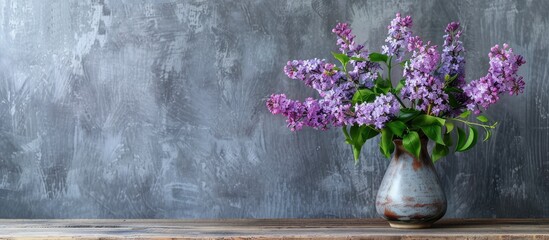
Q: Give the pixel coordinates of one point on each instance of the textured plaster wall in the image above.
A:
(155, 109)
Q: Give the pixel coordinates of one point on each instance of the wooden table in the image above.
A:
(271, 229)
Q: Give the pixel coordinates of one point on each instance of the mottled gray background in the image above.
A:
(155, 109)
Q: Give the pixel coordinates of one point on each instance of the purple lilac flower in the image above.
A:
(315, 73)
(364, 72)
(318, 115)
(337, 100)
(377, 113)
(399, 33)
(502, 77)
(335, 94)
(421, 85)
(424, 58)
(346, 41)
(453, 64)
(313, 112)
(361, 72)
(334, 108)
(345, 38)
(291, 109)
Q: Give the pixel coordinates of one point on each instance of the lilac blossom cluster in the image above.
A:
(422, 87)
(433, 90)
(338, 101)
(399, 34)
(364, 72)
(434, 82)
(334, 108)
(346, 38)
(384, 108)
(291, 109)
(312, 112)
(453, 63)
(361, 72)
(335, 87)
(502, 77)
(315, 73)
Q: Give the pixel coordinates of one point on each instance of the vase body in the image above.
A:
(410, 195)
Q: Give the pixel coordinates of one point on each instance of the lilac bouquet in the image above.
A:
(430, 100)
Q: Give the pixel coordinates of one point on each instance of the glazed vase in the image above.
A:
(410, 195)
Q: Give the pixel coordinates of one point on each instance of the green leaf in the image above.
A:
(449, 79)
(465, 114)
(426, 120)
(359, 135)
(488, 134)
(439, 151)
(397, 127)
(348, 139)
(356, 135)
(461, 138)
(358, 59)
(448, 139)
(343, 58)
(382, 85)
(407, 114)
(368, 132)
(400, 85)
(452, 89)
(356, 153)
(470, 141)
(357, 141)
(412, 143)
(482, 118)
(386, 143)
(453, 101)
(378, 57)
(363, 95)
(433, 132)
(449, 127)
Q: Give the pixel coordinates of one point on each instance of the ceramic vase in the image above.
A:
(410, 195)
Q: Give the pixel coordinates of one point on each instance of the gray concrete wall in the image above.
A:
(155, 109)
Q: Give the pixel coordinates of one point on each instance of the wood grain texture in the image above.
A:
(271, 229)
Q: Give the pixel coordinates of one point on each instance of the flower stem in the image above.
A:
(398, 99)
(476, 124)
(389, 65)
(390, 61)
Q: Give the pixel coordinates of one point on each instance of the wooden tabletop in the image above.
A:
(270, 229)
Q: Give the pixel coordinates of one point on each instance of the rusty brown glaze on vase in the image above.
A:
(410, 195)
